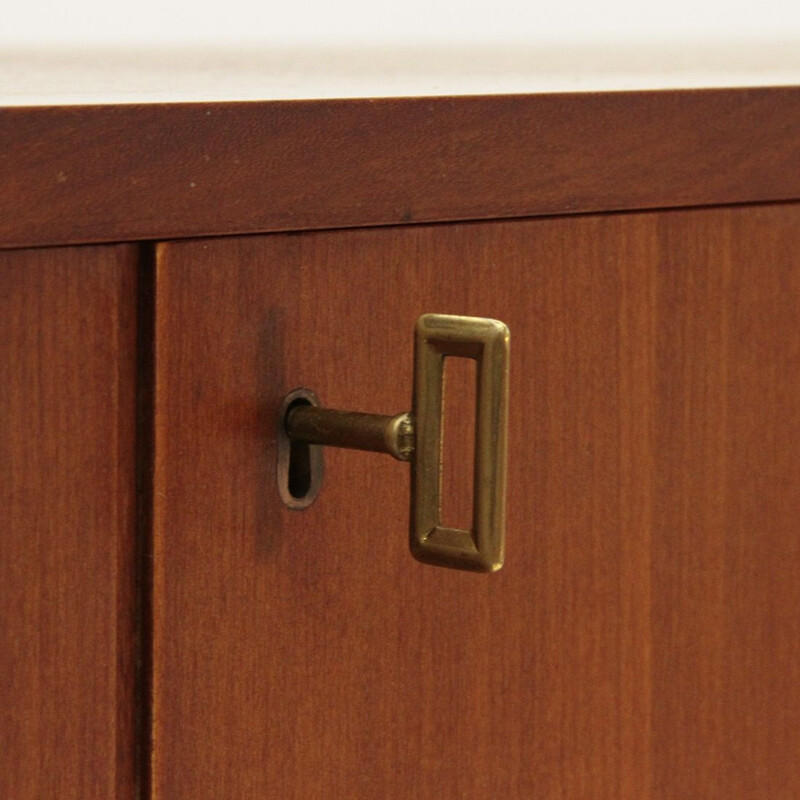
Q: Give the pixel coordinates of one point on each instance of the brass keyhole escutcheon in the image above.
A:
(301, 467)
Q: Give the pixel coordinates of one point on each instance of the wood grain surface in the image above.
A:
(118, 173)
(641, 641)
(67, 399)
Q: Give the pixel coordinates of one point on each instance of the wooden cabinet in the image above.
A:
(169, 615)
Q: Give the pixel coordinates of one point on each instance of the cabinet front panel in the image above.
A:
(67, 522)
(641, 640)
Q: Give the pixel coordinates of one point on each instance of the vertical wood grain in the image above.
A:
(67, 410)
(726, 534)
(642, 639)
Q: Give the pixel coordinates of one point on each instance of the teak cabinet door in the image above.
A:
(68, 522)
(642, 640)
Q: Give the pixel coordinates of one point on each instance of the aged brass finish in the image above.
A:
(300, 467)
(487, 341)
(417, 437)
(374, 432)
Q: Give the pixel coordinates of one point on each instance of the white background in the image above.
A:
(227, 22)
(155, 50)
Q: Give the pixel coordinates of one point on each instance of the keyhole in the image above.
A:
(300, 467)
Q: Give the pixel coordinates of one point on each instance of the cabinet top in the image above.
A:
(80, 174)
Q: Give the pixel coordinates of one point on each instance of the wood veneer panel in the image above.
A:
(114, 173)
(726, 538)
(642, 639)
(67, 409)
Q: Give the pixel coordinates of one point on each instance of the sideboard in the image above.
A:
(169, 272)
